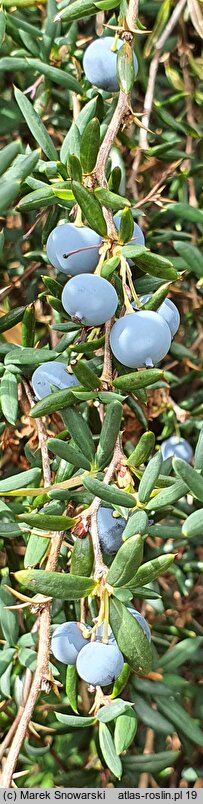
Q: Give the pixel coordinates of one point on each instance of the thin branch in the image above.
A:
(143, 141)
(40, 680)
(132, 13)
(106, 376)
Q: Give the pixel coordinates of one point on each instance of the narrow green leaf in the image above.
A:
(113, 710)
(68, 453)
(71, 144)
(80, 432)
(126, 228)
(58, 400)
(71, 686)
(36, 125)
(10, 319)
(109, 432)
(54, 74)
(138, 379)
(91, 208)
(192, 256)
(89, 145)
(35, 550)
(167, 496)
(2, 26)
(108, 750)
(74, 722)
(111, 200)
(110, 494)
(9, 397)
(137, 523)
(26, 356)
(46, 522)
(126, 561)
(10, 151)
(193, 525)
(82, 557)
(150, 763)
(74, 168)
(199, 451)
(143, 449)
(85, 375)
(179, 654)
(131, 639)
(190, 476)
(125, 68)
(28, 326)
(183, 722)
(149, 477)
(20, 480)
(55, 584)
(150, 717)
(9, 621)
(121, 681)
(151, 570)
(125, 730)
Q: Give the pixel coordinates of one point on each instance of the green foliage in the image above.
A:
(56, 452)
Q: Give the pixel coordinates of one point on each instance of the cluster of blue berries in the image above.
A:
(137, 340)
(98, 663)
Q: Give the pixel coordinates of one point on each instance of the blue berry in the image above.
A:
(51, 250)
(90, 299)
(168, 311)
(178, 447)
(100, 63)
(142, 622)
(51, 373)
(67, 238)
(110, 530)
(138, 238)
(140, 339)
(67, 641)
(99, 664)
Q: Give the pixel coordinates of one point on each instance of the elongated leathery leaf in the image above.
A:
(126, 561)
(108, 750)
(151, 570)
(9, 397)
(11, 319)
(109, 433)
(138, 379)
(35, 550)
(190, 476)
(36, 125)
(168, 496)
(90, 208)
(82, 557)
(137, 523)
(130, 637)
(46, 522)
(110, 494)
(193, 525)
(20, 480)
(125, 730)
(68, 453)
(27, 356)
(80, 432)
(71, 686)
(55, 584)
(149, 477)
(89, 145)
(143, 449)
